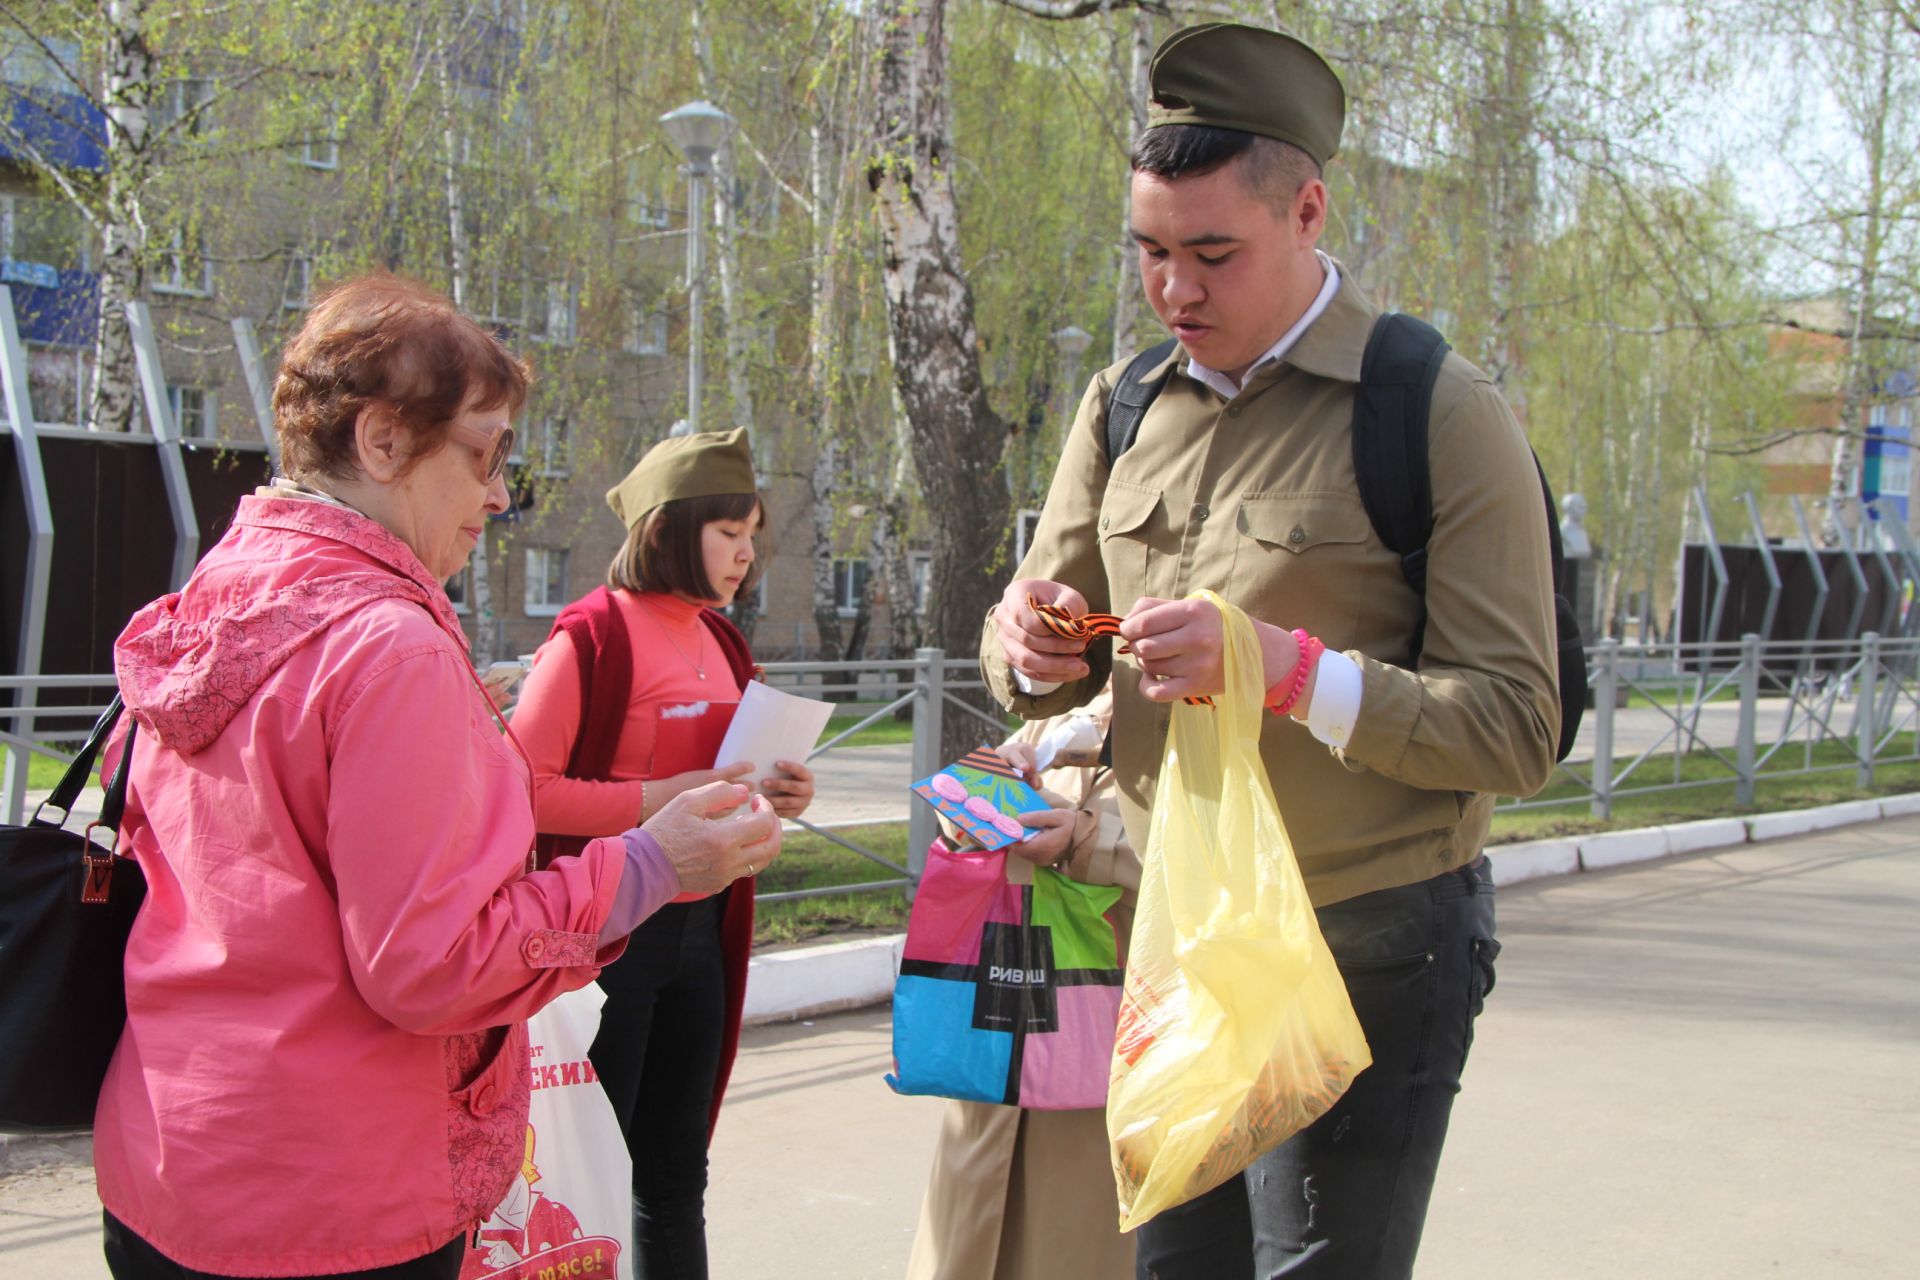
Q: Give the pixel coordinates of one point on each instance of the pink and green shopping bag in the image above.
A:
(1007, 992)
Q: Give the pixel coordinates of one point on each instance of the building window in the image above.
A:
(546, 581)
(555, 312)
(193, 412)
(320, 149)
(460, 590)
(298, 286)
(753, 603)
(920, 573)
(43, 64)
(849, 586)
(183, 267)
(39, 238)
(502, 293)
(645, 205)
(1029, 521)
(180, 99)
(556, 456)
(57, 378)
(647, 333)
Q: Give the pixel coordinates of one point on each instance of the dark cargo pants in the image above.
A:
(1346, 1198)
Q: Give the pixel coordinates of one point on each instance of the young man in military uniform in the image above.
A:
(1242, 480)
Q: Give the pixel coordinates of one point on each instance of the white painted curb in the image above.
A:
(807, 980)
(1846, 814)
(1533, 860)
(1618, 848)
(785, 985)
(1707, 833)
(1791, 822)
(1900, 806)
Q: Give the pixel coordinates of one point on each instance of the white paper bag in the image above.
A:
(570, 1212)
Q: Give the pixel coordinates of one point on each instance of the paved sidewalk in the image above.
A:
(1698, 1067)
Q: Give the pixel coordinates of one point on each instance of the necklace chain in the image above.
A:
(699, 668)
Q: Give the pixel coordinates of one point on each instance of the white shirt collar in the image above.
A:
(1224, 385)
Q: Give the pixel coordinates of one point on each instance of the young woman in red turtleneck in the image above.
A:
(624, 709)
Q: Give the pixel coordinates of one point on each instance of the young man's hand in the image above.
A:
(1179, 646)
(1030, 646)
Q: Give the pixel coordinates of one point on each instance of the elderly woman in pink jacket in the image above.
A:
(324, 1070)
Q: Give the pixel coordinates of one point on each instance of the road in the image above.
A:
(1699, 1067)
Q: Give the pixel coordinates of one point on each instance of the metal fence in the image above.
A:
(1666, 718)
(1676, 717)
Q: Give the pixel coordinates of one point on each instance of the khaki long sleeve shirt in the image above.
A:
(1256, 499)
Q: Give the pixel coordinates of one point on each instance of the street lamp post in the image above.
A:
(699, 130)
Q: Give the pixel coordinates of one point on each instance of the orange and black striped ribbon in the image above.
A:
(1086, 626)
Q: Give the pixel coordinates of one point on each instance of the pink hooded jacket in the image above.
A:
(325, 1061)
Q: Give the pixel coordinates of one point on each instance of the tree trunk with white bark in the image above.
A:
(127, 99)
(957, 440)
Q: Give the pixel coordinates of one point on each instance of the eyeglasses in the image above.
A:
(499, 447)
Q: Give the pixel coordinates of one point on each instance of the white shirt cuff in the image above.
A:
(1336, 699)
(1032, 688)
(1075, 733)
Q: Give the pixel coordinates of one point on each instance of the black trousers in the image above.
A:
(657, 1053)
(130, 1257)
(1345, 1199)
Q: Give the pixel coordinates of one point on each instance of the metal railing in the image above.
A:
(1665, 719)
(1677, 717)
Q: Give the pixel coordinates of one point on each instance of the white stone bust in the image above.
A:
(1573, 528)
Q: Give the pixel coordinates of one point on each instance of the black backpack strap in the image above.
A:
(1390, 408)
(1554, 547)
(1570, 637)
(1132, 396)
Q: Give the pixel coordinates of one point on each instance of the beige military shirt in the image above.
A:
(1255, 498)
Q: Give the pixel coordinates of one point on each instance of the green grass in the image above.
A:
(43, 772)
(881, 733)
(808, 861)
(884, 732)
(1715, 800)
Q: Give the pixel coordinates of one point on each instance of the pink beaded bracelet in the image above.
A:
(1310, 651)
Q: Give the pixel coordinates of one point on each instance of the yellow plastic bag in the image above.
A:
(1235, 1029)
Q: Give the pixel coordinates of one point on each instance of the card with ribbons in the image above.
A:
(983, 797)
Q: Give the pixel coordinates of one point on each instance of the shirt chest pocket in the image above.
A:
(1132, 519)
(1309, 550)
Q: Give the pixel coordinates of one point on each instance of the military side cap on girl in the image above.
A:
(701, 465)
(1229, 76)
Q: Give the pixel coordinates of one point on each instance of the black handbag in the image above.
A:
(66, 906)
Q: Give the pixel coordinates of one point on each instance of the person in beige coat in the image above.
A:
(1029, 1195)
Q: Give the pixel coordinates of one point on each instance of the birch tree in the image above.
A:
(957, 440)
(1869, 54)
(113, 79)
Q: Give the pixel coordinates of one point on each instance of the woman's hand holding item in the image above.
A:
(711, 845)
(1051, 839)
(791, 790)
(661, 790)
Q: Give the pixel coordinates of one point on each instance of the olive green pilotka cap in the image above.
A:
(1229, 76)
(695, 466)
